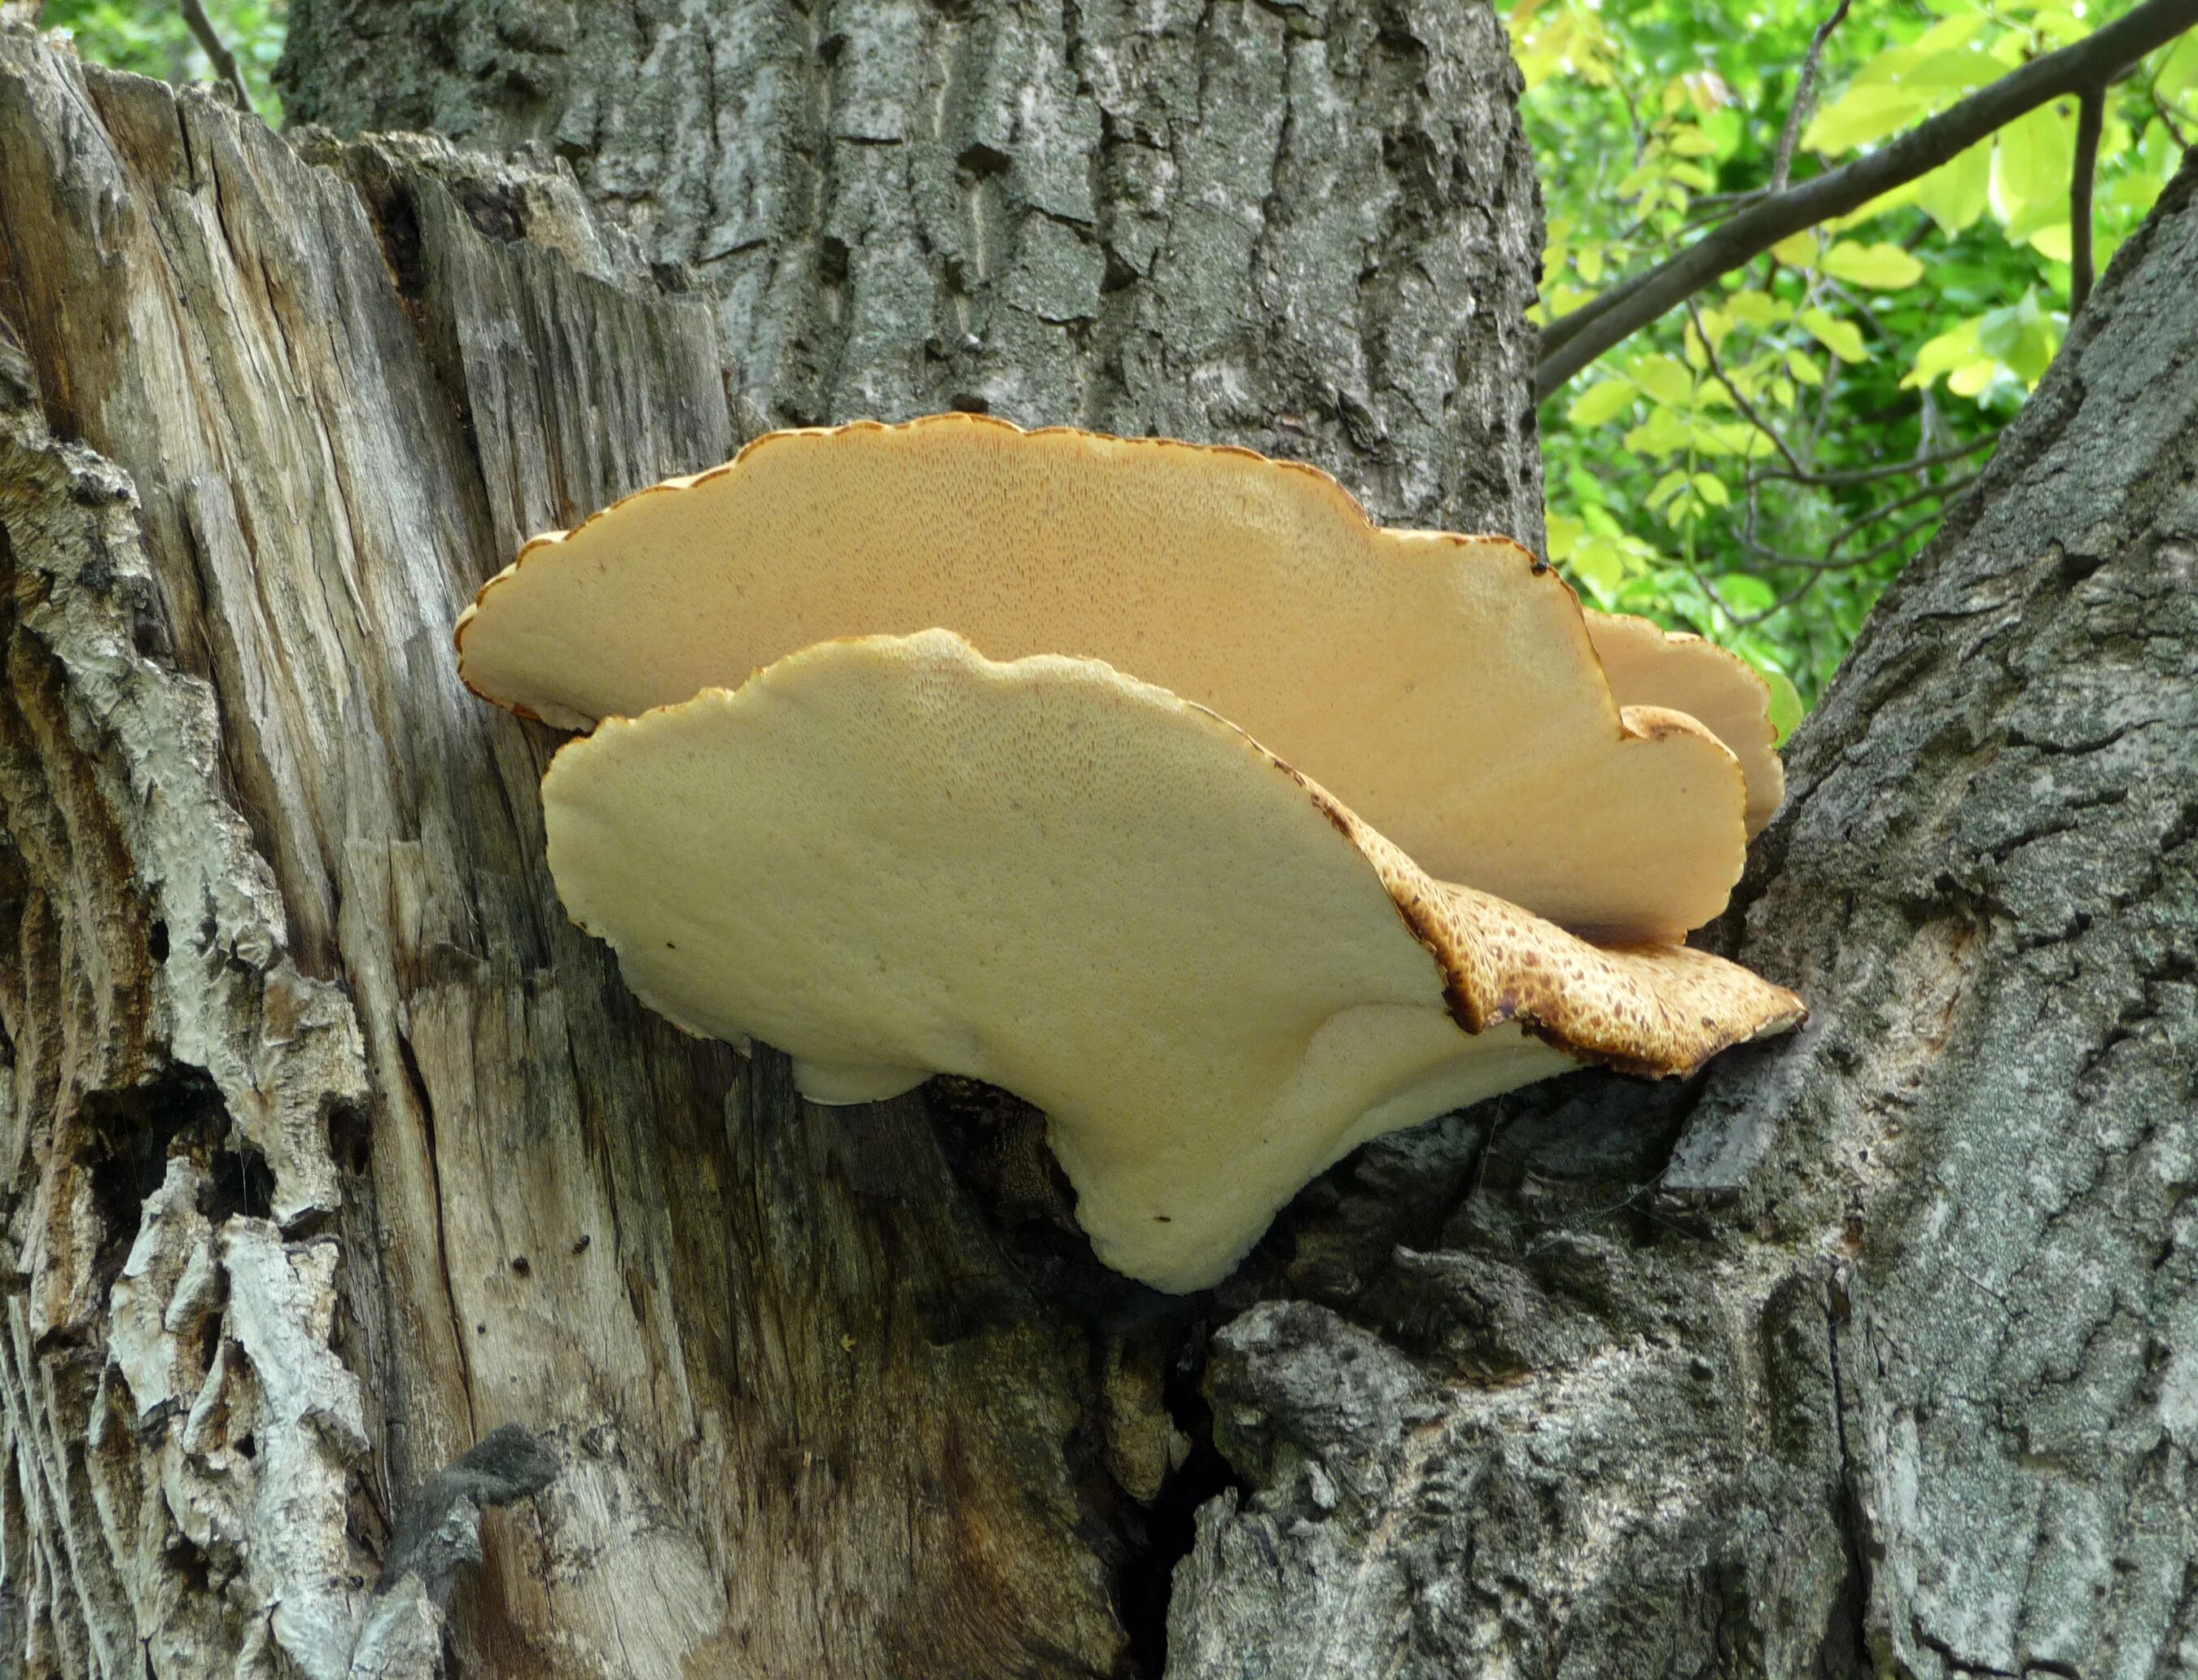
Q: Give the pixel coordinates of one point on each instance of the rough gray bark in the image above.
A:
(1310, 228)
(330, 1147)
(1896, 1369)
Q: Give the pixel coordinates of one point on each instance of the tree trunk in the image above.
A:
(330, 1147)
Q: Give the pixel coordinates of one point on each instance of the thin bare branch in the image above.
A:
(216, 50)
(1820, 564)
(1891, 469)
(1739, 397)
(1912, 155)
(1805, 95)
(2091, 118)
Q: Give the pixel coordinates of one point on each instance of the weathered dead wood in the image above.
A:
(331, 1146)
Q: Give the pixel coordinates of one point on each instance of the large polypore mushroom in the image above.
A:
(1064, 872)
(1445, 687)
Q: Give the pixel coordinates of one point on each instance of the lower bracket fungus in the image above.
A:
(892, 857)
(1269, 831)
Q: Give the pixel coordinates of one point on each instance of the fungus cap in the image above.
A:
(892, 856)
(1648, 666)
(1444, 686)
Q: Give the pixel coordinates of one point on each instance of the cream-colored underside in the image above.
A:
(1439, 685)
(892, 857)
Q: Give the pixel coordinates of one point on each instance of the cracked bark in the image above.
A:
(330, 1148)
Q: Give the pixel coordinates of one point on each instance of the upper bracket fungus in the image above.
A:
(817, 811)
(1445, 687)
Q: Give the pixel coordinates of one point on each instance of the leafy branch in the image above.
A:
(1572, 343)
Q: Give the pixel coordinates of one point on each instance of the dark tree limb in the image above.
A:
(1805, 97)
(216, 51)
(1573, 343)
(2091, 118)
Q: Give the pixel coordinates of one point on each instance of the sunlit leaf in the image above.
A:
(1864, 113)
(1599, 563)
(1971, 378)
(2023, 336)
(1787, 708)
(1758, 309)
(2030, 164)
(1746, 593)
(1666, 379)
(1842, 338)
(1955, 194)
(1882, 266)
(1564, 535)
(1664, 433)
(2178, 71)
(1666, 487)
(2055, 241)
(1799, 249)
(1711, 488)
(1883, 205)
(1951, 349)
(1600, 403)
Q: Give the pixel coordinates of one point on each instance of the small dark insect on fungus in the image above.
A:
(1152, 783)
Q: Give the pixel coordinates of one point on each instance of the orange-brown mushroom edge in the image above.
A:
(1445, 686)
(891, 856)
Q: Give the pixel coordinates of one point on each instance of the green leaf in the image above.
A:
(1600, 403)
(2054, 242)
(1972, 378)
(1842, 338)
(1955, 347)
(1799, 249)
(1746, 593)
(1955, 194)
(1586, 488)
(1787, 709)
(2032, 164)
(1666, 487)
(1565, 535)
(1664, 433)
(2022, 336)
(1884, 204)
(1601, 563)
(1711, 488)
(2178, 71)
(1864, 113)
(1757, 309)
(1882, 267)
(1666, 380)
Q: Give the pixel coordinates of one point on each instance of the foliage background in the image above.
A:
(151, 37)
(1758, 466)
(1747, 468)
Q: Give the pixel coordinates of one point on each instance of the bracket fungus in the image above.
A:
(1054, 760)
